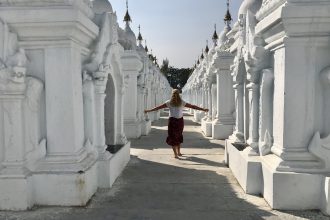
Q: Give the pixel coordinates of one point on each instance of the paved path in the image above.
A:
(155, 186)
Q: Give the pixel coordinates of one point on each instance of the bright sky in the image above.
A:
(176, 29)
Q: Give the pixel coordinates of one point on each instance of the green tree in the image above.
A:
(177, 77)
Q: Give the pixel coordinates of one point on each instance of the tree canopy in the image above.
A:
(177, 77)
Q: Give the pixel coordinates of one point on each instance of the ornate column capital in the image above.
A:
(84, 5)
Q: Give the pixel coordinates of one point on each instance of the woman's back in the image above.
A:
(176, 111)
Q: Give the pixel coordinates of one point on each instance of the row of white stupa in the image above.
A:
(267, 84)
(72, 84)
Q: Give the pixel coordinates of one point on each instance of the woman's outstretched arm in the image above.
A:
(196, 107)
(156, 108)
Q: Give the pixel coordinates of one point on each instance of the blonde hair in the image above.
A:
(176, 100)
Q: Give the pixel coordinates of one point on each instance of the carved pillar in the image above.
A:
(64, 104)
(246, 112)
(121, 137)
(206, 96)
(253, 140)
(224, 122)
(266, 112)
(238, 135)
(218, 96)
(100, 87)
(214, 100)
(140, 102)
(325, 80)
(13, 136)
(294, 96)
(209, 115)
(130, 98)
(131, 66)
(89, 110)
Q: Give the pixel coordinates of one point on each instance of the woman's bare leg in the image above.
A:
(179, 150)
(175, 151)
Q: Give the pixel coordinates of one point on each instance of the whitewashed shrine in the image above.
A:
(281, 66)
(279, 146)
(73, 87)
(211, 86)
(64, 73)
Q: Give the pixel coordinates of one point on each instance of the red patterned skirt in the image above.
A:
(175, 129)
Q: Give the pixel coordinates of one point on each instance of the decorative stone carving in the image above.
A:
(256, 58)
(266, 112)
(19, 106)
(325, 77)
(98, 58)
(265, 146)
(238, 70)
(33, 93)
(127, 38)
(84, 5)
(320, 147)
(268, 6)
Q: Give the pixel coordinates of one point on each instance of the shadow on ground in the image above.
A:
(192, 135)
(154, 186)
(148, 190)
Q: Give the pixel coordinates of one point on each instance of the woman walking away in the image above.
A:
(175, 122)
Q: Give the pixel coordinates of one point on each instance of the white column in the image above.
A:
(224, 122)
(293, 101)
(100, 87)
(121, 137)
(266, 112)
(253, 118)
(209, 115)
(64, 102)
(132, 65)
(238, 135)
(13, 135)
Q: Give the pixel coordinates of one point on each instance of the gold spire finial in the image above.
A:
(215, 36)
(228, 17)
(140, 38)
(127, 17)
(207, 49)
(146, 47)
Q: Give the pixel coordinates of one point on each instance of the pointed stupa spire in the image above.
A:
(146, 47)
(127, 17)
(207, 49)
(202, 56)
(151, 56)
(140, 38)
(215, 36)
(228, 19)
(198, 62)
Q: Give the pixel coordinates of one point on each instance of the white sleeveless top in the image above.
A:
(176, 112)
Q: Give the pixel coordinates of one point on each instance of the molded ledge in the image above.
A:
(221, 131)
(246, 169)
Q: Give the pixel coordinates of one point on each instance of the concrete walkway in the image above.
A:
(155, 186)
